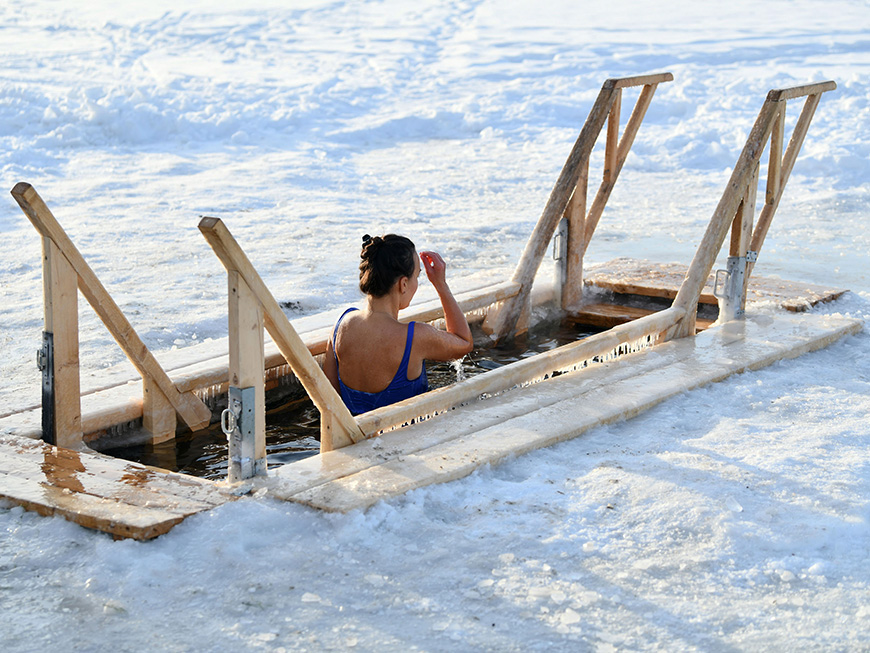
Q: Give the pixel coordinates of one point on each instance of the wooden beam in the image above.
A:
(741, 228)
(158, 413)
(195, 413)
(247, 367)
(62, 321)
(341, 429)
(774, 167)
(792, 92)
(611, 143)
(575, 216)
(639, 80)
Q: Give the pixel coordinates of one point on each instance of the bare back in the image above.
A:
(369, 347)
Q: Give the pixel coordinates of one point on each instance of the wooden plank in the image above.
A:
(607, 316)
(741, 228)
(96, 513)
(642, 277)
(63, 474)
(99, 492)
(792, 92)
(195, 414)
(640, 80)
(173, 487)
(288, 341)
(60, 295)
(570, 407)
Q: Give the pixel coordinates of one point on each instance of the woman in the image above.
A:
(374, 360)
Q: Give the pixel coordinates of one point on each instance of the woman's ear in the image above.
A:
(403, 284)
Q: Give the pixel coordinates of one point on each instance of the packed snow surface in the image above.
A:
(734, 517)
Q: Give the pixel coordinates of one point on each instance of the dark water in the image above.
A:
(293, 427)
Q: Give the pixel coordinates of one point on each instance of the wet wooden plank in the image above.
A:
(642, 277)
(137, 476)
(555, 410)
(606, 316)
(96, 491)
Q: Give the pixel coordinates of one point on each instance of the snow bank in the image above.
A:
(733, 517)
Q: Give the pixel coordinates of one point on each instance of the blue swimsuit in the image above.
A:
(400, 387)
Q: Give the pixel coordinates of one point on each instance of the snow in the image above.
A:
(733, 517)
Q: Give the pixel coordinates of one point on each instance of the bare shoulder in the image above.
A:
(438, 345)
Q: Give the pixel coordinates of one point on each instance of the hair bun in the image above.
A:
(370, 246)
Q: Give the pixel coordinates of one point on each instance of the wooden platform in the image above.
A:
(453, 445)
(124, 499)
(640, 277)
(606, 316)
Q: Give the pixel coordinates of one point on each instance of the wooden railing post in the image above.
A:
(247, 441)
(61, 400)
(774, 195)
(738, 200)
(337, 426)
(159, 388)
(572, 229)
(605, 109)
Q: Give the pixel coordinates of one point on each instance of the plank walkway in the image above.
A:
(453, 445)
(641, 277)
(124, 499)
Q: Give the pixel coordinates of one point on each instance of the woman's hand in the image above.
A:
(436, 268)
(457, 340)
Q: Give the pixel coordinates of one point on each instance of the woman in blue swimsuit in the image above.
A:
(374, 360)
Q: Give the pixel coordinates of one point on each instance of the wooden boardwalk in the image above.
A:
(641, 277)
(456, 443)
(124, 499)
(129, 500)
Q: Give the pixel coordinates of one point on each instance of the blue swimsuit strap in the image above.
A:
(406, 357)
(335, 335)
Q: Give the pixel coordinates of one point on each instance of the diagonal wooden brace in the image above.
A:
(191, 409)
(606, 109)
(338, 427)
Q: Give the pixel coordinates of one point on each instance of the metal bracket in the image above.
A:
(728, 286)
(560, 241)
(45, 363)
(238, 424)
(720, 283)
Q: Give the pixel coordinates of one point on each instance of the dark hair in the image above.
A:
(384, 261)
